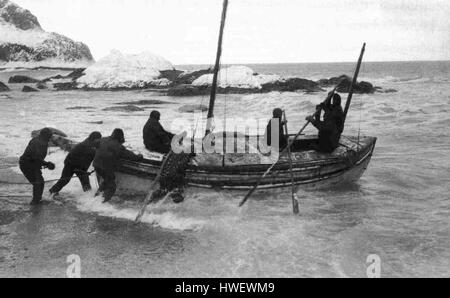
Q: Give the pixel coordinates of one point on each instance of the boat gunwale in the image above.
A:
(252, 168)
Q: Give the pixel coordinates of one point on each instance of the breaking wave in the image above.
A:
(166, 219)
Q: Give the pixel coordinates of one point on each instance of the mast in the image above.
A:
(216, 71)
(352, 87)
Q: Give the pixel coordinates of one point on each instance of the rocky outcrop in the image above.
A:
(3, 87)
(19, 79)
(291, 85)
(187, 90)
(65, 86)
(76, 74)
(187, 78)
(29, 89)
(17, 16)
(284, 85)
(24, 40)
(73, 76)
(171, 75)
(345, 83)
(41, 86)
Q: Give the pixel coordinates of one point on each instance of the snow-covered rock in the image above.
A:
(23, 42)
(237, 77)
(119, 70)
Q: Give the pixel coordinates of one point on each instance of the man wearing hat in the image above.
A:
(33, 160)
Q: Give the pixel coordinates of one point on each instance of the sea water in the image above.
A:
(399, 210)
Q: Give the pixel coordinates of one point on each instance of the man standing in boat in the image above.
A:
(107, 159)
(77, 162)
(32, 161)
(276, 123)
(332, 125)
(156, 139)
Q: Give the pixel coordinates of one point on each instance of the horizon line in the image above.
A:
(324, 62)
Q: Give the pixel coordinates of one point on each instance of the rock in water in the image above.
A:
(144, 102)
(193, 108)
(292, 84)
(18, 79)
(24, 40)
(80, 108)
(126, 108)
(187, 90)
(3, 87)
(65, 86)
(365, 87)
(29, 89)
(41, 86)
(345, 83)
(76, 74)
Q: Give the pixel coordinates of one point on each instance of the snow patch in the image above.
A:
(14, 35)
(237, 77)
(118, 70)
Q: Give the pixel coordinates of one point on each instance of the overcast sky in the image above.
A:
(257, 31)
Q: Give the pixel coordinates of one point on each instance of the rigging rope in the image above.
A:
(360, 112)
(224, 119)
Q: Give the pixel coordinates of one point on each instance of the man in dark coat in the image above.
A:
(332, 125)
(156, 139)
(337, 113)
(107, 159)
(77, 162)
(282, 142)
(33, 160)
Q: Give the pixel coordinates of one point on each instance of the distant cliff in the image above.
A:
(22, 40)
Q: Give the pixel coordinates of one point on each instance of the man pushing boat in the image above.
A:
(33, 160)
(107, 159)
(78, 162)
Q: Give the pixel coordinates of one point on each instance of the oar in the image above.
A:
(283, 152)
(294, 199)
(271, 167)
(150, 191)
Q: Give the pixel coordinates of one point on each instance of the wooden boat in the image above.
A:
(311, 169)
(308, 169)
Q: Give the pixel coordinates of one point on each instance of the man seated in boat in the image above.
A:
(332, 125)
(107, 159)
(156, 139)
(274, 122)
(78, 162)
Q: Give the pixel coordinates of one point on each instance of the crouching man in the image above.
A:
(107, 159)
(78, 162)
(33, 160)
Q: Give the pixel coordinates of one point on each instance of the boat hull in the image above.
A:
(311, 171)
